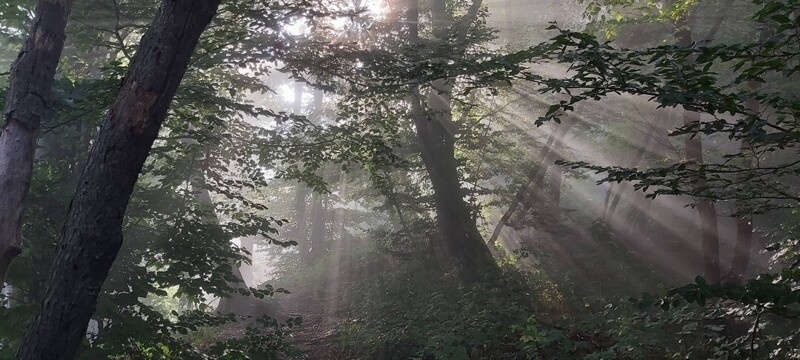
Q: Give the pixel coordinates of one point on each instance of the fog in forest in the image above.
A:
(400, 179)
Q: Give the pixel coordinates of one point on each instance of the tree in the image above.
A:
(32, 76)
(706, 209)
(92, 237)
(436, 134)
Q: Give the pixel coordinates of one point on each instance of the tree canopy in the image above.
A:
(400, 179)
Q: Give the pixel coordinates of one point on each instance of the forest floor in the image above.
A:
(316, 337)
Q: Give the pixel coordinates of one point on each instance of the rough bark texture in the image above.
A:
(92, 235)
(28, 98)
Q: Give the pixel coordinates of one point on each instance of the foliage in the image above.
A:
(411, 312)
(224, 161)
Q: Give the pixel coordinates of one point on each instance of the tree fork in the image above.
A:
(92, 234)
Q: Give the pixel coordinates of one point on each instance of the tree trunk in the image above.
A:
(92, 235)
(744, 222)
(706, 209)
(535, 177)
(300, 194)
(639, 212)
(709, 233)
(317, 238)
(622, 187)
(461, 240)
(28, 98)
(555, 177)
(246, 270)
(236, 302)
(318, 210)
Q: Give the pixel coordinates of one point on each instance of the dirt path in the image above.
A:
(316, 338)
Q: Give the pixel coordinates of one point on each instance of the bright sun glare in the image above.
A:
(371, 8)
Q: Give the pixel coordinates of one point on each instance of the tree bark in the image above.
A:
(706, 209)
(318, 200)
(461, 239)
(32, 76)
(744, 222)
(92, 235)
(300, 194)
(535, 177)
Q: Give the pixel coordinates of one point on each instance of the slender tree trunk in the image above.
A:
(638, 213)
(32, 75)
(92, 235)
(554, 191)
(301, 222)
(391, 197)
(534, 179)
(318, 210)
(635, 162)
(317, 238)
(555, 177)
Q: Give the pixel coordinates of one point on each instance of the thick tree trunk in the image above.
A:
(706, 209)
(463, 242)
(461, 239)
(744, 222)
(28, 98)
(709, 234)
(92, 235)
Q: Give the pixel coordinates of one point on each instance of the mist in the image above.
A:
(399, 179)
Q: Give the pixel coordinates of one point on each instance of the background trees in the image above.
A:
(439, 189)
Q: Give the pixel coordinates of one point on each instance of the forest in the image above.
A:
(400, 179)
